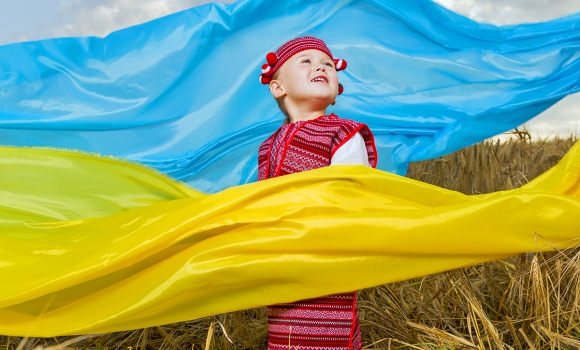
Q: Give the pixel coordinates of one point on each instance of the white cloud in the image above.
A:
(503, 12)
(81, 17)
(99, 18)
(564, 117)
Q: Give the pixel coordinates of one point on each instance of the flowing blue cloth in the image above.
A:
(181, 93)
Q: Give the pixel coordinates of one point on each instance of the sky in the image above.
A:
(24, 20)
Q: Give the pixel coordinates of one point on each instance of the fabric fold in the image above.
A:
(181, 93)
(175, 254)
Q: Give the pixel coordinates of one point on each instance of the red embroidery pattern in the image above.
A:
(292, 47)
(331, 322)
(310, 144)
(282, 138)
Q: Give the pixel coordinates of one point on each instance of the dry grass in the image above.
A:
(492, 166)
(531, 301)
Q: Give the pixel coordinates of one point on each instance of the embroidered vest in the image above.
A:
(309, 144)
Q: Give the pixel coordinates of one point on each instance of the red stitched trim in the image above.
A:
(354, 319)
(348, 137)
(270, 153)
(306, 308)
(374, 149)
(281, 336)
(283, 156)
(295, 51)
(294, 46)
(373, 163)
(324, 121)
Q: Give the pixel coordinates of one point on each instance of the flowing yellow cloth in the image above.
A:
(91, 244)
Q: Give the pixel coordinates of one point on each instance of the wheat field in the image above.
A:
(531, 301)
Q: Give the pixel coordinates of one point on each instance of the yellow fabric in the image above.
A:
(90, 244)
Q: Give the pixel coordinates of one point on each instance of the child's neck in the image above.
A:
(296, 116)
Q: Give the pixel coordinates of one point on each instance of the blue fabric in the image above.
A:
(181, 93)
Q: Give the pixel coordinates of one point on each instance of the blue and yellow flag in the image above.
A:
(161, 222)
(92, 244)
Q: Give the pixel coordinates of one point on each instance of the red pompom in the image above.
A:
(340, 89)
(271, 58)
(266, 68)
(265, 80)
(340, 64)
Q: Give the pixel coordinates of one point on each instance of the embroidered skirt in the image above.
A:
(329, 322)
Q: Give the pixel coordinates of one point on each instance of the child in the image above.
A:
(302, 75)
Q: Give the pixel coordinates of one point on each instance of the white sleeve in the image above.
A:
(351, 152)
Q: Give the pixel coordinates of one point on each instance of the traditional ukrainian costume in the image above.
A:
(329, 322)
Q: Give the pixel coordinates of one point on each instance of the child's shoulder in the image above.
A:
(328, 121)
(336, 120)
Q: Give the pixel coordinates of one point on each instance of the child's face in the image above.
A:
(307, 79)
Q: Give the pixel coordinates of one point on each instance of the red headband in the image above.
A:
(277, 59)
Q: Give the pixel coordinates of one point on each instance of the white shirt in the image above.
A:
(351, 152)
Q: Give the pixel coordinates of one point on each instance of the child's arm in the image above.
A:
(351, 152)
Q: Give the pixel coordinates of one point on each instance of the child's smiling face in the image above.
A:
(308, 80)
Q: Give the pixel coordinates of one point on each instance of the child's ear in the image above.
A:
(277, 89)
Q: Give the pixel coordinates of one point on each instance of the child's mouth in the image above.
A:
(319, 80)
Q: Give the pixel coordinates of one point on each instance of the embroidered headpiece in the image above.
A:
(275, 60)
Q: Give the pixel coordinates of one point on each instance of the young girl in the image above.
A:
(302, 75)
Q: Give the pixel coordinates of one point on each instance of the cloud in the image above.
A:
(504, 12)
(82, 18)
(564, 117)
(99, 18)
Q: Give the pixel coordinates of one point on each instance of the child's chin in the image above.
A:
(323, 103)
(323, 96)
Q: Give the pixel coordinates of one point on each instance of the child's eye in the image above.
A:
(306, 60)
(329, 64)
